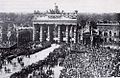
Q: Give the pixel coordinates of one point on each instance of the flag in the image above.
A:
(9, 34)
(14, 27)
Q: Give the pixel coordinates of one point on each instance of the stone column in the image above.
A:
(33, 33)
(75, 34)
(67, 34)
(59, 34)
(50, 33)
(79, 36)
(71, 33)
(41, 34)
(103, 34)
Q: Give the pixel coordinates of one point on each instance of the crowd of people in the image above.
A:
(43, 68)
(8, 65)
(89, 62)
(7, 56)
(77, 60)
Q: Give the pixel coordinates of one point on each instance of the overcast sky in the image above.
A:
(94, 6)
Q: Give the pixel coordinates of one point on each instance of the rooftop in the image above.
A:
(55, 15)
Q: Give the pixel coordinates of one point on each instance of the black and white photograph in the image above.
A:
(59, 38)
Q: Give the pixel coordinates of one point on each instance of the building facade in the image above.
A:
(55, 26)
(1, 25)
(110, 32)
(24, 34)
(7, 34)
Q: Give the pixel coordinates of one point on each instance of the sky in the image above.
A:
(89, 6)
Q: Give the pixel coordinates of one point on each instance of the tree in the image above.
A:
(83, 23)
(118, 17)
(76, 11)
(93, 24)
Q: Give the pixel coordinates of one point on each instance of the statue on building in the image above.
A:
(55, 10)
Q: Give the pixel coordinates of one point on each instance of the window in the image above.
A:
(105, 39)
(100, 32)
(110, 33)
(105, 34)
(119, 34)
(115, 34)
(110, 39)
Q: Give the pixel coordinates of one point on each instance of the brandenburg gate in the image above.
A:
(55, 26)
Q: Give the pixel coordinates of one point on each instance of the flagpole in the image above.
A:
(17, 37)
(71, 37)
(91, 35)
(8, 36)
